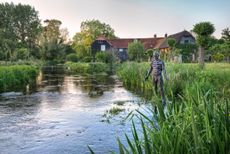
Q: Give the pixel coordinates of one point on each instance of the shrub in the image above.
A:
(218, 57)
(105, 57)
(22, 53)
(86, 59)
(72, 57)
(12, 77)
(86, 67)
(136, 51)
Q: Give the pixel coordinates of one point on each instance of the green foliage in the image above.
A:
(19, 27)
(203, 30)
(182, 77)
(52, 42)
(149, 52)
(136, 51)
(171, 42)
(105, 57)
(12, 77)
(87, 68)
(187, 50)
(72, 57)
(220, 48)
(22, 53)
(197, 120)
(200, 125)
(86, 59)
(90, 30)
(218, 57)
(226, 35)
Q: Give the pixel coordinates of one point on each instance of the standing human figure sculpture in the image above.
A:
(157, 66)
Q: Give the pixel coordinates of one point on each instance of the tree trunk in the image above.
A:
(201, 57)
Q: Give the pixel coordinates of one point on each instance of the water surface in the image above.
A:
(66, 113)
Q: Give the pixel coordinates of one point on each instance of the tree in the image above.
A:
(19, 27)
(90, 30)
(171, 42)
(136, 51)
(203, 31)
(52, 41)
(226, 35)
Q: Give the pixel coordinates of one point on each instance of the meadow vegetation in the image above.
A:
(198, 118)
(17, 76)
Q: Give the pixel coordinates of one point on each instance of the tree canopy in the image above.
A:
(136, 51)
(90, 30)
(203, 31)
(19, 27)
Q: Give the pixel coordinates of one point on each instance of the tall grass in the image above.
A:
(182, 77)
(13, 77)
(198, 125)
(198, 118)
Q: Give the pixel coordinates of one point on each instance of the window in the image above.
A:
(121, 50)
(186, 41)
(102, 47)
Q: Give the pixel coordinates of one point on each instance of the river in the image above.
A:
(65, 113)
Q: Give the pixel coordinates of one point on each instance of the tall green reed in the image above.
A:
(12, 77)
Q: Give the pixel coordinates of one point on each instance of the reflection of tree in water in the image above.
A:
(50, 80)
(99, 84)
(96, 89)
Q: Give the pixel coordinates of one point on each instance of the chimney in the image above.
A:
(166, 35)
(155, 35)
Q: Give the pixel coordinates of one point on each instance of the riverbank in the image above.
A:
(16, 76)
(88, 68)
(197, 120)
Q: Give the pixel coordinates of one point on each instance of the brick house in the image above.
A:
(120, 45)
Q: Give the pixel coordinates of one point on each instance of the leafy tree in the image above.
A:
(226, 35)
(136, 51)
(90, 30)
(51, 41)
(203, 31)
(19, 27)
(171, 42)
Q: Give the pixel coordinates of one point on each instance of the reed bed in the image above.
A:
(197, 118)
(13, 77)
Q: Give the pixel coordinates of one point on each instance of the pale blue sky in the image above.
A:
(135, 18)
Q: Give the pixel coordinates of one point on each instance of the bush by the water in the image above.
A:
(15, 76)
(72, 57)
(105, 57)
(198, 118)
(97, 67)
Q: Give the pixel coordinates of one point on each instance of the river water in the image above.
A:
(65, 113)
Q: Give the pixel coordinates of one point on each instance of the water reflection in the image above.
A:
(62, 115)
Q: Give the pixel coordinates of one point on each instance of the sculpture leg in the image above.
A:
(162, 90)
(155, 84)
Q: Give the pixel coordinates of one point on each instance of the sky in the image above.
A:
(135, 18)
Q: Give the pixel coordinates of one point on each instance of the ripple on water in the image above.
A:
(61, 117)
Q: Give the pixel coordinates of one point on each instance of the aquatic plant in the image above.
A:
(12, 77)
(197, 118)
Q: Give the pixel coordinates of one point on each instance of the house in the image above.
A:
(120, 45)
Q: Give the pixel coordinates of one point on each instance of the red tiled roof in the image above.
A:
(147, 42)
